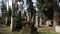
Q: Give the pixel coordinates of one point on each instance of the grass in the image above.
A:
(41, 31)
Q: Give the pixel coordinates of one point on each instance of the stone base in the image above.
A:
(57, 29)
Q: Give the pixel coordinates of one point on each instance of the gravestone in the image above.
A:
(57, 29)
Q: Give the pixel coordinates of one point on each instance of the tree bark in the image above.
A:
(13, 18)
(55, 15)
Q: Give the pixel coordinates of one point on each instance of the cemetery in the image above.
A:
(29, 16)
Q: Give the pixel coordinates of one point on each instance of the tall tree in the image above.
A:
(31, 11)
(13, 16)
(52, 10)
(9, 17)
(41, 5)
(46, 8)
(4, 11)
(55, 14)
(30, 8)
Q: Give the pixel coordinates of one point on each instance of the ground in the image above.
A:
(5, 30)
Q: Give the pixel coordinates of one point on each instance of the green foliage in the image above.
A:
(42, 31)
(9, 12)
(4, 10)
(49, 13)
(19, 18)
(43, 4)
(31, 8)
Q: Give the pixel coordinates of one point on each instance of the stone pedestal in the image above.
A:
(57, 29)
(40, 22)
(48, 23)
(36, 24)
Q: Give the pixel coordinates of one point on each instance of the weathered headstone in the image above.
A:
(48, 23)
(57, 29)
(36, 24)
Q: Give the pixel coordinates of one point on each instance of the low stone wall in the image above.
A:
(57, 29)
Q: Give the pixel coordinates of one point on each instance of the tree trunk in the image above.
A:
(6, 21)
(13, 18)
(13, 23)
(55, 15)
